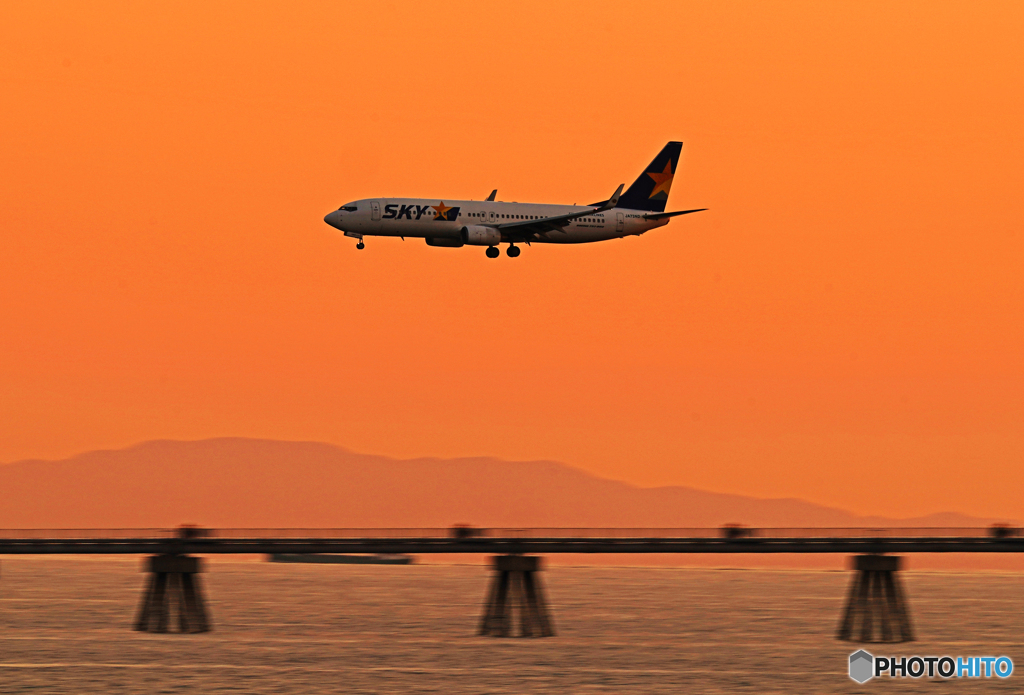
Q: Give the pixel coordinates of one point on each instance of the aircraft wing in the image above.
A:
(529, 228)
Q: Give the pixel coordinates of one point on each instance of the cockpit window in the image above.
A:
(348, 208)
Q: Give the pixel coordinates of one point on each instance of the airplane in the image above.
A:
(490, 222)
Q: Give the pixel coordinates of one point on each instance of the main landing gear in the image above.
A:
(512, 251)
(360, 245)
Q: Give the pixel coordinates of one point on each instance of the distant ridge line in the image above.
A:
(235, 482)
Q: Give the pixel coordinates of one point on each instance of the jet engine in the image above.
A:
(444, 241)
(480, 235)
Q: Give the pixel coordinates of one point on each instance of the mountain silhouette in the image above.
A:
(258, 483)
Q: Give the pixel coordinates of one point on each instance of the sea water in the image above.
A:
(65, 627)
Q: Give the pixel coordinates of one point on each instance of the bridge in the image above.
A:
(876, 608)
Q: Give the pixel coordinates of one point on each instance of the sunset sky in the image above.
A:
(844, 325)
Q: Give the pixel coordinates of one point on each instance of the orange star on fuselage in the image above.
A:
(662, 181)
(441, 211)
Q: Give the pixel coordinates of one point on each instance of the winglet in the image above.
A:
(493, 193)
(613, 201)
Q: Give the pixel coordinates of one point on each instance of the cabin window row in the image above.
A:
(528, 217)
(506, 217)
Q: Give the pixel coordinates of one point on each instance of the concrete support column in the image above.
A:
(876, 608)
(173, 590)
(516, 590)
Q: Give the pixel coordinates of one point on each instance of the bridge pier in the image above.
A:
(173, 587)
(876, 600)
(516, 588)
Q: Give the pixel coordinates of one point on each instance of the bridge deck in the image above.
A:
(510, 541)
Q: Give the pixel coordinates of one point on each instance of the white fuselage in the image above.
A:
(435, 219)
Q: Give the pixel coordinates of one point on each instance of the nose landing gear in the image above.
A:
(360, 245)
(492, 252)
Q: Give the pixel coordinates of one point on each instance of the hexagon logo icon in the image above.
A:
(862, 666)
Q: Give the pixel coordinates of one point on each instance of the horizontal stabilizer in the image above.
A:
(663, 215)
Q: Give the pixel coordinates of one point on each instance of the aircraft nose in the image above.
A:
(333, 219)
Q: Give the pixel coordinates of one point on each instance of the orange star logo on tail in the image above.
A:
(662, 181)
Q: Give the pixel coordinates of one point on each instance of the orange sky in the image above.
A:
(846, 324)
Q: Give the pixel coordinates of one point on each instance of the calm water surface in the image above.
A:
(285, 628)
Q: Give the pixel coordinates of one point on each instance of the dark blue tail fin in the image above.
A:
(650, 191)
